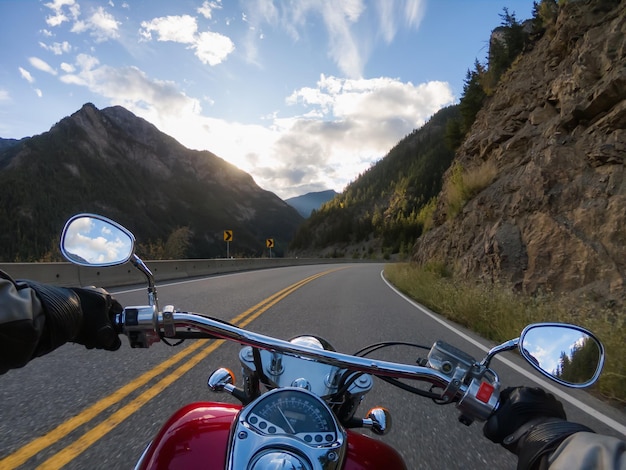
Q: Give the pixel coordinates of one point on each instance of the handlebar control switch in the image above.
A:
(139, 325)
(479, 401)
(169, 328)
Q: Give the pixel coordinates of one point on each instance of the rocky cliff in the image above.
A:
(554, 216)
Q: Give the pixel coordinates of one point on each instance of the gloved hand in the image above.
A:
(518, 406)
(82, 315)
(99, 310)
(530, 423)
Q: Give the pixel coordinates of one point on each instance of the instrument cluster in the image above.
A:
(288, 425)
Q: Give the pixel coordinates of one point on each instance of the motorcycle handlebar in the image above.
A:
(145, 326)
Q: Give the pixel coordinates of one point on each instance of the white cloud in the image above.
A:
(26, 75)
(181, 29)
(67, 68)
(260, 12)
(131, 88)
(57, 48)
(374, 100)
(348, 25)
(207, 8)
(391, 16)
(346, 126)
(4, 95)
(414, 11)
(60, 15)
(213, 48)
(101, 25)
(42, 65)
(337, 129)
(210, 47)
(38, 92)
(350, 125)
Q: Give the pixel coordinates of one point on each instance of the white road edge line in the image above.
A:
(548, 386)
(171, 283)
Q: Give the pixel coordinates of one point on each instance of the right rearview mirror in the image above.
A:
(567, 354)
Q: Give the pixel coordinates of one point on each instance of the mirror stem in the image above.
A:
(152, 292)
(506, 346)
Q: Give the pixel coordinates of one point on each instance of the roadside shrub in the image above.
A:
(462, 186)
(497, 313)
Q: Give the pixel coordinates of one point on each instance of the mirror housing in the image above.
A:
(568, 354)
(94, 240)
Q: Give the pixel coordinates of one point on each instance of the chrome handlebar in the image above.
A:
(144, 326)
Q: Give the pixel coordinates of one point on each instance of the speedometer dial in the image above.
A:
(293, 412)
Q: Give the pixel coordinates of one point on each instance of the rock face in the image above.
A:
(554, 217)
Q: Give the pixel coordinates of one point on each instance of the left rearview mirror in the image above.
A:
(93, 240)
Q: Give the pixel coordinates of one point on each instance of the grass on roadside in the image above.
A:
(499, 314)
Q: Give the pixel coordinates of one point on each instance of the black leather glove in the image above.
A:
(530, 423)
(84, 316)
(99, 310)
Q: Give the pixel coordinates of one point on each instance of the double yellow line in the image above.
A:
(81, 444)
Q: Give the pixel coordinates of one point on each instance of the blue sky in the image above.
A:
(304, 95)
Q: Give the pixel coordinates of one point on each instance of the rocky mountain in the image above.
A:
(552, 140)
(177, 201)
(309, 202)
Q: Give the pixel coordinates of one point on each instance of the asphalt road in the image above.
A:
(77, 409)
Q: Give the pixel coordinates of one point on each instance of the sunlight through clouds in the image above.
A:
(330, 132)
(301, 95)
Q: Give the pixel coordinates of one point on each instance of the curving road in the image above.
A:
(81, 409)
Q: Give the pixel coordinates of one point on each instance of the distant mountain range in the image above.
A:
(177, 201)
(309, 202)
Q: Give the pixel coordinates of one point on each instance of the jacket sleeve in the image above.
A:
(22, 324)
(585, 450)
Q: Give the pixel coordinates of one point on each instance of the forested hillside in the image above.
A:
(386, 207)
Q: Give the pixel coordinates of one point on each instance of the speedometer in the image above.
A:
(295, 412)
(287, 428)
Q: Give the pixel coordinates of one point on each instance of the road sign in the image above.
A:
(228, 235)
(269, 243)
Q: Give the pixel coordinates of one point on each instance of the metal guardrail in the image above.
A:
(67, 274)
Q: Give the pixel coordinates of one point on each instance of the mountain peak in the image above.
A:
(119, 165)
(307, 203)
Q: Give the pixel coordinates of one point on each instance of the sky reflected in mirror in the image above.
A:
(93, 241)
(556, 349)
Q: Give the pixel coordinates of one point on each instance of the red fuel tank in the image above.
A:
(196, 437)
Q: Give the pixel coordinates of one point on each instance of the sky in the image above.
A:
(302, 94)
(92, 241)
